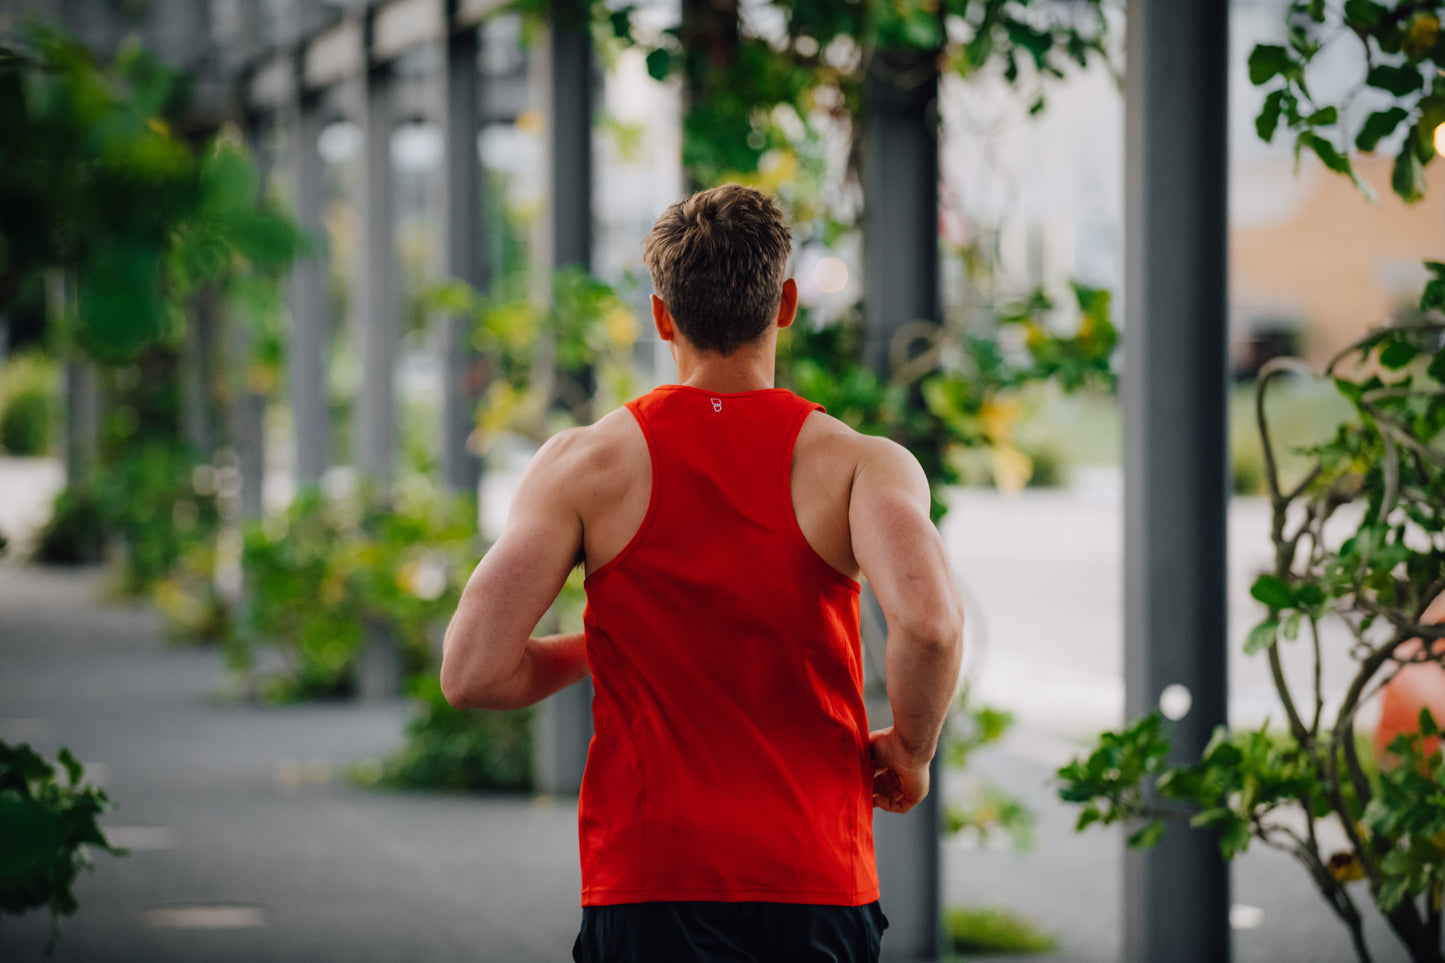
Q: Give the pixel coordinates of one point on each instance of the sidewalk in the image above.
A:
(248, 846)
(236, 806)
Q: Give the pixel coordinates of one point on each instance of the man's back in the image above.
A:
(730, 760)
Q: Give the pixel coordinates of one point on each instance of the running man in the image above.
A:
(726, 808)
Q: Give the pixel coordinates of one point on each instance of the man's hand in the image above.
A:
(900, 780)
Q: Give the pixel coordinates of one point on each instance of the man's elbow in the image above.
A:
(940, 631)
(458, 693)
(466, 691)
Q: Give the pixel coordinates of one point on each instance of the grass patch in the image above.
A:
(989, 930)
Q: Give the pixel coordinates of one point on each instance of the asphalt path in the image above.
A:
(248, 844)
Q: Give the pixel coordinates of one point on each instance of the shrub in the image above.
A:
(993, 931)
(327, 570)
(45, 831)
(455, 749)
(27, 405)
(74, 533)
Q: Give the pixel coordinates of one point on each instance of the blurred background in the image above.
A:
(290, 290)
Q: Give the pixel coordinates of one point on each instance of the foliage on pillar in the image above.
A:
(100, 179)
(1359, 561)
(135, 220)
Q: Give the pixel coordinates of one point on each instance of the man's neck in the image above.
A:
(750, 368)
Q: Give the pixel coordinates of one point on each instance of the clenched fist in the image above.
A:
(900, 781)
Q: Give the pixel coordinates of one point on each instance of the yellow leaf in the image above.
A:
(621, 325)
(1424, 29)
(997, 417)
(1345, 866)
(1011, 469)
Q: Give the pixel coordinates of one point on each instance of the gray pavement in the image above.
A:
(248, 846)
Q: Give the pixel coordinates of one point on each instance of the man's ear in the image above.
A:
(662, 320)
(788, 303)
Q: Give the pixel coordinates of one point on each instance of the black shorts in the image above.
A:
(711, 932)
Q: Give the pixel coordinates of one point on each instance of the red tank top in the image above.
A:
(730, 755)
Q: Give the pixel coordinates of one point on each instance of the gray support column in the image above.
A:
(564, 726)
(900, 221)
(464, 257)
(82, 388)
(377, 308)
(570, 133)
(306, 339)
(900, 285)
(1176, 896)
(249, 425)
(82, 421)
(196, 370)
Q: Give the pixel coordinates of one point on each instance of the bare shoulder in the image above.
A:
(591, 447)
(870, 459)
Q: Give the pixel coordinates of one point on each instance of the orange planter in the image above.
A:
(1413, 688)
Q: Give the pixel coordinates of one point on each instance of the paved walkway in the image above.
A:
(247, 845)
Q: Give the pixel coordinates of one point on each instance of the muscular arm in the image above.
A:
(489, 658)
(902, 556)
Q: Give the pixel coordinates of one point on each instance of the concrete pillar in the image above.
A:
(464, 256)
(564, 726)
(195, 365)
(249, 414)
(570, 138)
(306, 337)
(377, 309)
(1176, 896)
(82, 388)
(900, 285)
(900, 220)
(82, 421)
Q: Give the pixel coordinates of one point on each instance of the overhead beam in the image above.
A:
(335, 54)
(340, 52)
(402, 24)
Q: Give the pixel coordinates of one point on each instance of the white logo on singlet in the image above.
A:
(717, 404)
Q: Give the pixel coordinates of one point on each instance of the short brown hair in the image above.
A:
(718, 260)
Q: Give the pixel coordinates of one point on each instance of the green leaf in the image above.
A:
(1266, 61)
(1400, 81)
(1397, 353)
(1428, 727)
(1087, 818)
(1407, 176)
(1234, 838)
(1327, 153)
(1272, 591)
(621, 22)
(1268, 120)
(29, 833)
(1379, 125)
(1323, 117)
(1437, 364)
(659, 63)
(1289, 628)
(72, 766)
(1149, 836)
(1365, 13)
(1261, 637)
